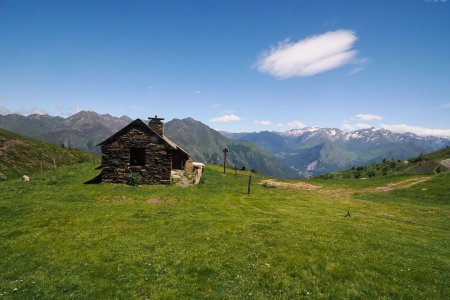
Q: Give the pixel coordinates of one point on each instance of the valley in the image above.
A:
(306, 152)
(331, 236)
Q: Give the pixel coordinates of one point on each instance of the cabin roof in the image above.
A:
(139, 124)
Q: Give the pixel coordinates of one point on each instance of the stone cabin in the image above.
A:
(141, 148)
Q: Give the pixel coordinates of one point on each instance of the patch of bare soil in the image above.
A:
(154, 201)
(160, 201)
(182, 178)
(446, 163)
(339, 192)
(399, 185)
(296, 186)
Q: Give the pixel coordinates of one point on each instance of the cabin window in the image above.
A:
(137, 156)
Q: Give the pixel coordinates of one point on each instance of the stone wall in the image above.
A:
(157, 126)
(179, 159)
(116, 159)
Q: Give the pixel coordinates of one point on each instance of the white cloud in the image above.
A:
(362, 125)
(66, 111)
(368, 117)
(355, 71)
(262, 122)
(5, 111)
(350, 127)
(36, 111)
(422, 131)
(310, 56)
(280, 125)
(226, 118)
(25, 111)
(353, 124)
(296, 124)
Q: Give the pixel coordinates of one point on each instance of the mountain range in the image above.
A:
(312, 150)
(206, 144)
(83, 130)
(302, 152)
(86, 129)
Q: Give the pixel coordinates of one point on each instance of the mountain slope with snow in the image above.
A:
(314, 150)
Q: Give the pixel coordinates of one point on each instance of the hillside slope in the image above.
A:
(21, 155)
(305, 152)
(206, 145)
(314, 151)
(423, 164)
(62, 239)
(83, 130)
(86, 129)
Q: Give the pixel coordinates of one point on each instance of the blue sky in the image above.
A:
(234, 65)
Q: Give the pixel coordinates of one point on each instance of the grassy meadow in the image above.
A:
(62, 239)
(21, 155)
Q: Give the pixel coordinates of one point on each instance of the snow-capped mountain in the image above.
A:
(307, 151)
(315, 150)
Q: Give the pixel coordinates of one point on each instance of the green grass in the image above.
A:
(425, 164)
(20, 155)
(62, 239)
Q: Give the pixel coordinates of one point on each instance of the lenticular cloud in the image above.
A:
(310, 56)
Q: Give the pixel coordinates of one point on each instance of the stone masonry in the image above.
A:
(156, 163)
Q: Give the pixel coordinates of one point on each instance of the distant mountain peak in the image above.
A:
(38, 116)
(300, 131)
(190, 120)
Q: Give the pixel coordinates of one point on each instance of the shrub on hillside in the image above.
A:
(135, 179)
(417, 158)
(83, 159)
(371, 173)
(346, 174)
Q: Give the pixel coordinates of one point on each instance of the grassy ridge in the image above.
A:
(21, 155)
(62, 239)
(422, 164)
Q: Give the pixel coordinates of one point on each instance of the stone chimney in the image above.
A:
(156, 125)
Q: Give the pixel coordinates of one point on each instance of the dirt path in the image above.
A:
(296, 186)
(311, 187)
(399, 185)
(446, 163)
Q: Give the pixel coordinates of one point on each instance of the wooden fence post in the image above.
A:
(225, 150)
(249, 182)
